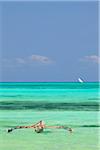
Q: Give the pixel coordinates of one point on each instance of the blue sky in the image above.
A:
(49, 41)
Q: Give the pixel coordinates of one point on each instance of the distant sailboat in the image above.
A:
(80, 80)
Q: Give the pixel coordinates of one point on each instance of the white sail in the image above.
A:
(80, 80)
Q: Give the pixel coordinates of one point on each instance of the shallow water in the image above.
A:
(69, 104)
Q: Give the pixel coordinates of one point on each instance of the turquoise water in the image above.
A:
(70, 104)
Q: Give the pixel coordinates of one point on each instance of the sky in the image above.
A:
(49, 41)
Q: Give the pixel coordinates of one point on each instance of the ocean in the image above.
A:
(75, 105)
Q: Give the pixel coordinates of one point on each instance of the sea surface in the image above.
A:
(74, 105)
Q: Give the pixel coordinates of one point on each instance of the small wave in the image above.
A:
(11, 96)
(95, 98)
(87, 126)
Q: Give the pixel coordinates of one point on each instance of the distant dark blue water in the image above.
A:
(49, 96)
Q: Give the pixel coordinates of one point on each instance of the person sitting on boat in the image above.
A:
(40, 126)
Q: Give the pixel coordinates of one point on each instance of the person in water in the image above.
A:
(40, 126)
